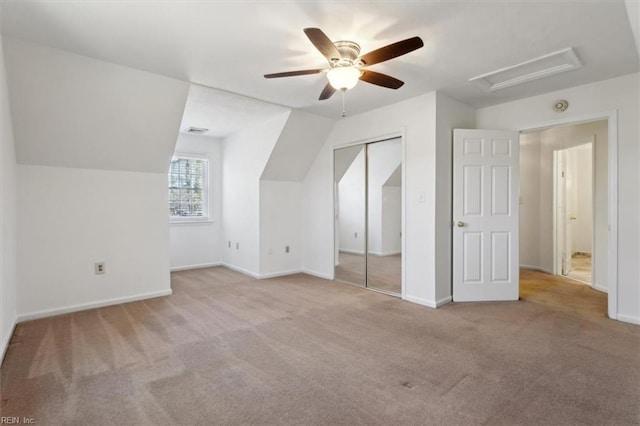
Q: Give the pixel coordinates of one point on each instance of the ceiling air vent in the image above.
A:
(544, 66)
(197, 130)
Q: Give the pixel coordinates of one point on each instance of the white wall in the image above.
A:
(297, 146)
(530, 201)
(583, 225)
(71, 218)
(244, 156)
(416, 118)
(74, 111)
(8, 219)
(383, 229)
(280, 226)
(93, 143)
(536, 196)
(564, 137)
(199, 244)
(620, 94)
(351, 207)
(450, 114)
(391, 220)
(384, 158)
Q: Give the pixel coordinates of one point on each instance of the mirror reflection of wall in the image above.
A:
(368, 194)
(349, 180)
(384, 213)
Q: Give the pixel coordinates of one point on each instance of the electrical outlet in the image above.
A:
(286, 249)
(99, 268)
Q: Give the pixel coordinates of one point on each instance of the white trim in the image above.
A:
(349, 251)
(571, 62)
(444, 301)
(402, 134)
(403, 215)
(317, 274)
(600, 288)
(84, 306)
(421, 301)
(199, 266)
(173, 222)
(384, 137)
(5, 345)
(557, 238)
(612, 189)
(241, 270)
(557, 264)
(537, 268)
(628, 318)
(207, 215)
(279, 274)
(385, 253)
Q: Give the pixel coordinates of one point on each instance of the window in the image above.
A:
(188, 187)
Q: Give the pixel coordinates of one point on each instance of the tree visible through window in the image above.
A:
(188, 187)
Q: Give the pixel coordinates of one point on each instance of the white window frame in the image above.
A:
(206, 217)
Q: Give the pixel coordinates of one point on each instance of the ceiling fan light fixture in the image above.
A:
(343, 78)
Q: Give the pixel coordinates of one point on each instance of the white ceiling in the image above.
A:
(230, 45)
(221, 112)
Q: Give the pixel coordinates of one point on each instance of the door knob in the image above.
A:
(460, 224)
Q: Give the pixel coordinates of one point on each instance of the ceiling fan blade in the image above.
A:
(381, 79)
(327, 92)
(322, 43)
(292, 73)
(391, 51)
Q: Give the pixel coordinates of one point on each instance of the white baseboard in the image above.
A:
(600, 288)
(199, 266)
(92, 305)
(421, 301)
(279, 274)
(536, 268)
(317, 274)
(628, 318)
(444, 301)
(349, 251)
(5, 344)
(241, 270)
(385, 253)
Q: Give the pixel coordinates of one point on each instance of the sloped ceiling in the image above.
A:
(230, 45)
(297, 147)
(223, 113)
(74, 111)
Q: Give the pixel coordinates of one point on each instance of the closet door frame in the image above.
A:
(403, 244)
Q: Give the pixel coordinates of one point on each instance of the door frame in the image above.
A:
(403, 243)
(557, 262)
(612, 195)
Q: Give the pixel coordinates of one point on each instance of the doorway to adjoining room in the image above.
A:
(563, 202)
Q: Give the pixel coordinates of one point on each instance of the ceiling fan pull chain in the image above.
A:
(344, 111)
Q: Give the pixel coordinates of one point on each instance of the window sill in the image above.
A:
(191, 222)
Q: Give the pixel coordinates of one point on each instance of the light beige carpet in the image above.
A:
(228, 349)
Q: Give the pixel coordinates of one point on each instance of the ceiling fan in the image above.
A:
(346, 67)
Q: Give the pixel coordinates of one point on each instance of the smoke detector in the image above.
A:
(560, 106)
(197, 130)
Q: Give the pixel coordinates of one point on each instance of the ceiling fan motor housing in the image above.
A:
(349, 52)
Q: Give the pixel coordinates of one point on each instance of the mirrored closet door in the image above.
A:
(368, 215)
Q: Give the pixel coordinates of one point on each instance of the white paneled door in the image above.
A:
(485, 215)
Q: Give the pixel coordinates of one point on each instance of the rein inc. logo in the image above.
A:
(16, 420)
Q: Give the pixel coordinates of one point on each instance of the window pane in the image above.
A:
(188, 187)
